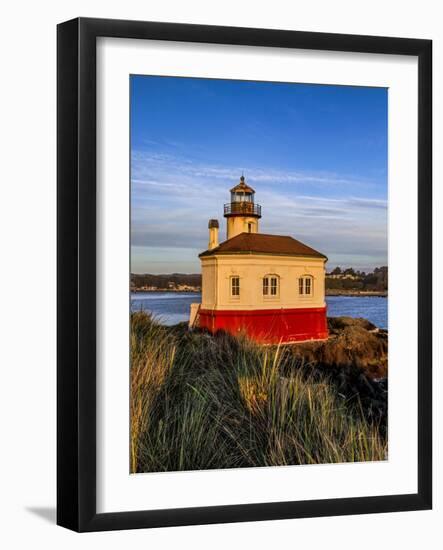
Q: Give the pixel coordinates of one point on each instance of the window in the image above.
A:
(301, 285)
(235, 286)
(249, 227)
(270, 285)
(274, 286)
(305, 286)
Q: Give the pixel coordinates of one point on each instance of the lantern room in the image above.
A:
(242, 213)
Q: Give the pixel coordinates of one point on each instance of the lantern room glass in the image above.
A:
(239, 196)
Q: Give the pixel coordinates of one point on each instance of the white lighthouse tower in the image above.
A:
(242, 213)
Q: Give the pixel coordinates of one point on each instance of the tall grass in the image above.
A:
(200, 401)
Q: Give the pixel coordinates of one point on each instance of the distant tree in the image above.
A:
(334, 283)
(377, 280)
(349, 284)
(163, 281)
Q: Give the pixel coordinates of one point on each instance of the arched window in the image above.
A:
(306, 285)
(271, 286)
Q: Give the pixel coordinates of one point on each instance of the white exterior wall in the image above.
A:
(217, 271)
(239, 224)
(209, 282)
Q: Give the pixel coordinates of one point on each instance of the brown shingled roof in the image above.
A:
(259, 243)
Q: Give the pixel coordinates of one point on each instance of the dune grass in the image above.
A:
(201, 402)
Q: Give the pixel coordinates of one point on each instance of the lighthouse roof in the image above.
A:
(242, 187)
(260, 243)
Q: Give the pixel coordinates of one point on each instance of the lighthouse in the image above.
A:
(270, 288)
(242, 214)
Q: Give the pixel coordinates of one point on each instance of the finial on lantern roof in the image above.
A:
(242, 186)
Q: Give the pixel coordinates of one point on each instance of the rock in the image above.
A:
(351, 342)
(355, 357)
(337, 323)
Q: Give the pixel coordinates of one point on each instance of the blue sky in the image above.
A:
(316, 156)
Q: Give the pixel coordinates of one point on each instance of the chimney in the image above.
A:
(213, 234)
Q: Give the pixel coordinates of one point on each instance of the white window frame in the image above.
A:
(233, 278)
(268, 295)
(302, 286)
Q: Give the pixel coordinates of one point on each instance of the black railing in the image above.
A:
(242, 208)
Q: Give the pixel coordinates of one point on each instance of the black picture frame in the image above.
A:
(76, 265)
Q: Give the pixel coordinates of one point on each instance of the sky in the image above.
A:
(316, 156)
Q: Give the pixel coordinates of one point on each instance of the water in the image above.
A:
(171, 308)
(372, 308)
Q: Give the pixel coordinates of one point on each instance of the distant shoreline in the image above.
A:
(172, 290)
(329, 292)
(358, 293)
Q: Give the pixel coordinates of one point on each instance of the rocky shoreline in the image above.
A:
(357, 293)
(355, 358)
(352, 342)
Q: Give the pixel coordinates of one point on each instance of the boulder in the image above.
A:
(355, 358)
(352, 343)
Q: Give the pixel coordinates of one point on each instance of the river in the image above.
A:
(171, 308)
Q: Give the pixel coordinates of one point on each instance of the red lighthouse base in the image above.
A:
(269, 326)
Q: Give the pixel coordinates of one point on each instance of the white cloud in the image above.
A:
(172, 199)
